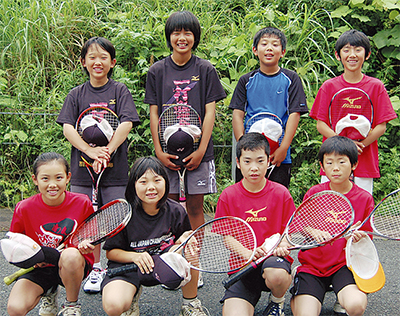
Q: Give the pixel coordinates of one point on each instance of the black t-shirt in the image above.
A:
(152, 234)
(196, 84)
(117, 97)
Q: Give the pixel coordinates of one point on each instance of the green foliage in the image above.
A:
(40, 42)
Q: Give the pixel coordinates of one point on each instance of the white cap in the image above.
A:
(359, 124)
(269, 128)
(102, 124)
(362, 259)
(192, 130)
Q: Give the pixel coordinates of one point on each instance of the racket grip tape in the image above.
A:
(122, 270)
(12, 277)
(238, 275)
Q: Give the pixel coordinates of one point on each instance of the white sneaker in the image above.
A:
(49, 306)
(93, 281)
(338, 309)
(67, 310)
(194, 308)
(134, 309)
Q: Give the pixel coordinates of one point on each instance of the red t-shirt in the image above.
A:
(267, 211)
(326, 260)
(368, 163)
(49, 225)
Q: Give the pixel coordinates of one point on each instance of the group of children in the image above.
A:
(158, 222)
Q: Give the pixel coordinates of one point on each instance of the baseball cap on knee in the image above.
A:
(170, 269)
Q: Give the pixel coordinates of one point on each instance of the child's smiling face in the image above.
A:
(98, 63)
(150, 189)
(182, 41)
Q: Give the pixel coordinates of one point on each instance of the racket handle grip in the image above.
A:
(122, 270)
(12, 277)
(241, 273)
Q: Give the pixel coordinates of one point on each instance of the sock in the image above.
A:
(97, 265)
(187, 301)
(68, 303)
(277, 299)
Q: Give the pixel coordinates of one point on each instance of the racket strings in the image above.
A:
(327, 215)
(224, 245)
(182, 115)
(104, 222)
(386, 219)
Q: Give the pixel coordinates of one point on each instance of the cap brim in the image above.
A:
(373, 284)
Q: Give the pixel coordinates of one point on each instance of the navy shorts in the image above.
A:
(48, 278)
(250, 286)
(106, 194)
(308, 284)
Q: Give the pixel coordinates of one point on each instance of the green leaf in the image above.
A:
(341, 11)
(362, 18)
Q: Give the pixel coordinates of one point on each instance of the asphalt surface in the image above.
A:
(156, 301)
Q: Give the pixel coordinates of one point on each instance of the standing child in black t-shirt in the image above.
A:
(157, 226)
(183, 78)
(98, 61)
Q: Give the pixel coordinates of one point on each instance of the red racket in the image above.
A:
(351, 113)
(321, 219)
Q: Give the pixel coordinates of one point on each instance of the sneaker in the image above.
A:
(49, 306)
(338, 309)
(194, 308)
(67, 310)
(274, 309)
(93, 281)
(134, 309)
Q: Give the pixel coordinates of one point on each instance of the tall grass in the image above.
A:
(40, 41)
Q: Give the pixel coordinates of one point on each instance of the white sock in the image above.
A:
(277, 299)
(97, 265)
(187, 301)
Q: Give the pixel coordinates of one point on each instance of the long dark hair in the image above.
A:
(138, 169)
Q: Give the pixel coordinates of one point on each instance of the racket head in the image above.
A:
(222, 245)
(182, 116)
(385, 218)
(326, 211)
(98, 113)
(108, 221)
(350, 101)
(271, 132)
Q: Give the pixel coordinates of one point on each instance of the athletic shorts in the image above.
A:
(308, 284)
(105, 195)
(281, 174)
(48, 278)
(199, 181)
(251, 285)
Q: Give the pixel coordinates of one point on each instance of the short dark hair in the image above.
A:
(139, 168)
(252, 142)
(270, 31)
(48, 157)
(104, 44)
(339, 145)
(354, 38)
(185, 20)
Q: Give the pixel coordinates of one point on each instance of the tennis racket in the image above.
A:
(106, 119)
(186, 118)
(320, 219)
(351, 107)
(385, 217)
(224, 244)
(105, 223)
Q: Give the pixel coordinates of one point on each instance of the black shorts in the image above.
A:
(48, 278)
(281, 174)
(250, 286)
(308, 284)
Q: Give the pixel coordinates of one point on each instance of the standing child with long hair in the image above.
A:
(48, 217)
(98, 61)
(157, 226)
